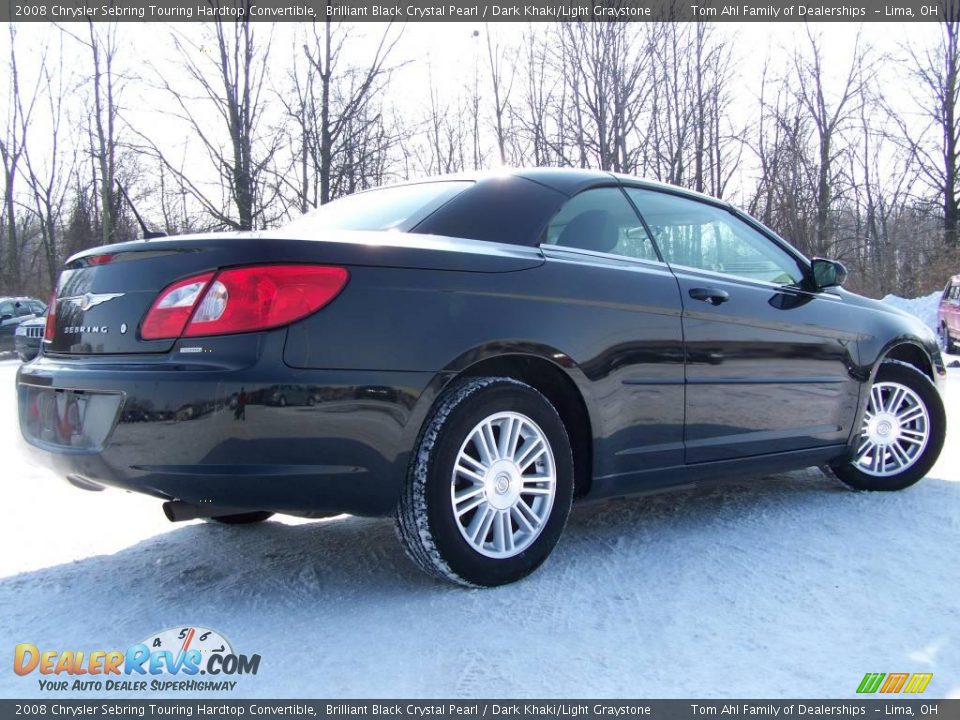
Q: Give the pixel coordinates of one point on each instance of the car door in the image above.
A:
(952, 311)
(620, 323)
(767, 361)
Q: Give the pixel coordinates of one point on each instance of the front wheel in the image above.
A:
(490, 484)
(902, 433)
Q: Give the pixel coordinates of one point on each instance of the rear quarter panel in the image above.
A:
(614, 327)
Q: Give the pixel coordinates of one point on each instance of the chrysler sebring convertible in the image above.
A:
(470, 355)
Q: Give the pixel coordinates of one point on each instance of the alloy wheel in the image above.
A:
(895, 430)
(503, 485)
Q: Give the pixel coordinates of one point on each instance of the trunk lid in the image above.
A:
(104, 293)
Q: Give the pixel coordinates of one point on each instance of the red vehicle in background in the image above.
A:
(948, 317)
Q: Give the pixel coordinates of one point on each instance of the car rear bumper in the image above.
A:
(207, 435)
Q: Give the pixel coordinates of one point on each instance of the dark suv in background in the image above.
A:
(13, 311)
(29, 337)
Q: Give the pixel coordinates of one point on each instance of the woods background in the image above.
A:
(236, 126)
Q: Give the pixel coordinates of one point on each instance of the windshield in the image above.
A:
(400, 207)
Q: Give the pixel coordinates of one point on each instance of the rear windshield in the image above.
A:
(400, 207)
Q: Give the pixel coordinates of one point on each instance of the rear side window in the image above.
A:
(400, 207)
(601, 220)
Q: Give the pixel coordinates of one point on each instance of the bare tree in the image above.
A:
(343, 98)
(13, 145)
(231, 79)
(606, 72)
(49, 175)
(936, 143)
(533, 116)
(830, 117)
(102, 42)
(502, 65)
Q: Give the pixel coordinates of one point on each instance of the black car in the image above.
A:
(28, 337)
(13, 311)
(480, 352)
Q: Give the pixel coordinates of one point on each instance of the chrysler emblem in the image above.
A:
(89, 300)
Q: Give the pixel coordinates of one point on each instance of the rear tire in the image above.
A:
(902, 434)
(490, 484)
(944, 340)
(257, 516)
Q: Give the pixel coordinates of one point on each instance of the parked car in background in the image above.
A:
(948, 317)
(284, 395)
(481, 350)
(13, 311)
(29, 337)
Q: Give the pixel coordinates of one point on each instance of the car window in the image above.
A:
(6, 308)
(38, 308)
(399, 207)
(700, 235)
(601, 220)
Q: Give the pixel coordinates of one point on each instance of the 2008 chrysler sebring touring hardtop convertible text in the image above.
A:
(470, 354)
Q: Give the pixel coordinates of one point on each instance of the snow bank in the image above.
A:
(924, 307)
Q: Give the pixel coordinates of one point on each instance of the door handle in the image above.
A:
(710, 295)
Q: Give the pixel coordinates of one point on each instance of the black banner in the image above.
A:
(475, 10)
(492, 709)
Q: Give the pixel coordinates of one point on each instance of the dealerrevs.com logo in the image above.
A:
(169, 661)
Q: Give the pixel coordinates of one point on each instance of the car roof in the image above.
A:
(566, 180)
(572, 180)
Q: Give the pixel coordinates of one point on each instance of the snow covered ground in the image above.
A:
(924, 307)
(785, 586)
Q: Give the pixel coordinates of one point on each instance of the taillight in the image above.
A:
(173, 307)
(98, 259)
(242, 299)
(51, 327)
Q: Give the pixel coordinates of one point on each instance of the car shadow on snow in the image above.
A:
(286, 564)
(771, 564)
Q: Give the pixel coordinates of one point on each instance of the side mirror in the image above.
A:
(827, 273)
(5, 317)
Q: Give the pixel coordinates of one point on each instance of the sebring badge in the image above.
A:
(89, 300)
(94, 329)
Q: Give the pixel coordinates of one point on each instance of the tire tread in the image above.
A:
(410, 520)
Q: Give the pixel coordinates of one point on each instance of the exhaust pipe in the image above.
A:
(180, 511)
